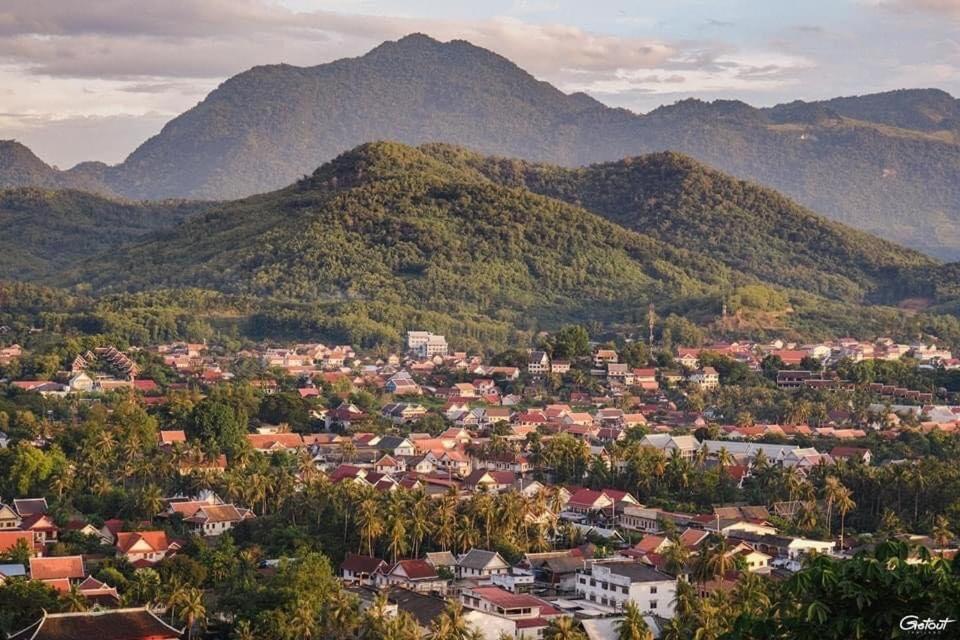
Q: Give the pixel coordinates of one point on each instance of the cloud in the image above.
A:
(947, 7)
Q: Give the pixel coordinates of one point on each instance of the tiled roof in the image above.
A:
(117, 624)
(57, 567)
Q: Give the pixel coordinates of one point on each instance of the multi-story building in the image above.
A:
(613, 584)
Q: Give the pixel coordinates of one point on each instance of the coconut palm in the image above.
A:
(192, 610)
(845, 505)
(369, 523)
(942, 534)
(633, 626)
(451, 624)
(564, 628)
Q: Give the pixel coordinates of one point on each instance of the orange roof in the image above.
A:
(52, 568)
(275, 440)
(169, 437)
(157, 540)
(8, 539)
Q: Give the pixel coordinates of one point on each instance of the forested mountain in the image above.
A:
(888, 163)
(751, 229)
(45, 231)
(388, 236)
(388, 229)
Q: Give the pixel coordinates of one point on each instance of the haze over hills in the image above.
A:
(887, 163)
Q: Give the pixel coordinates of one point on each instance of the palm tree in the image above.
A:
(243, 630)
(942, 534)
(564, 628)
(303, 622)
(845, 504)
(396, 534)
(720, 561)
(369, 522)
(151, 500)
(465, 535)
(831, 490)
(675, 558)
(74, 601)
(192, 610)
(633, 626)
(452, 625)
(420, 525)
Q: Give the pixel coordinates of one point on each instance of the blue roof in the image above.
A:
(13, 570)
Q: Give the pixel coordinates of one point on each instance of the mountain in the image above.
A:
(928, 110)
(749, 228)
(55, 229)
(20, 167)
(387, 236)
(886, 164)
(389, 231)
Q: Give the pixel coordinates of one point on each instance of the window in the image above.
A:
(624, 589)
(653, 604)
(653, 589)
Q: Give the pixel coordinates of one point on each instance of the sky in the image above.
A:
(92, 79)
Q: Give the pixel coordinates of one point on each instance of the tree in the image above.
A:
(845, 505)
(633, 626)
(192, 610)
(452, 625)
(564, 628)
(942, 534)
(571, 341)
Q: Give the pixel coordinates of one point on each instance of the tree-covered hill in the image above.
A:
(46, 231)
(388, 236)
(387, 224)
(887, 163)
(749, 228)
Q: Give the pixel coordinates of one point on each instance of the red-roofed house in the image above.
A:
(144, 548)
(416, 575)
(57, 568)
(362, 569)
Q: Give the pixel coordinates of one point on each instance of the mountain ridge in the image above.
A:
(266, 127)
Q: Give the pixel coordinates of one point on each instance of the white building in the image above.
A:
(426, 344)
(613, 584)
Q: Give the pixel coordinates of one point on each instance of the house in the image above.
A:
(402, 384)
(362, 570)
(106, 624)
(479, 563)
(853, 454)
(426, 345)
(789, 547)
(215, 519)
(558, 569)
(706, 378)
(269, 442)
(9, 519)
(397, 446)
(59, 572)
(403, 412)
(529, 615)
(169, 438)
(492, 481)
(10, 539)
(686, 445)
(538, 363)
(99, 594)
(559, 367)
(603, 357)
(416, 575)
(613, 584)
(42, 526)
(26, 507)
(144, 548)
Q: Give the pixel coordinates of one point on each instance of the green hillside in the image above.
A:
(47, 231)
(749, 228)
(387, 236)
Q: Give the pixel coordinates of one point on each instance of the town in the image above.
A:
(568, 489)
